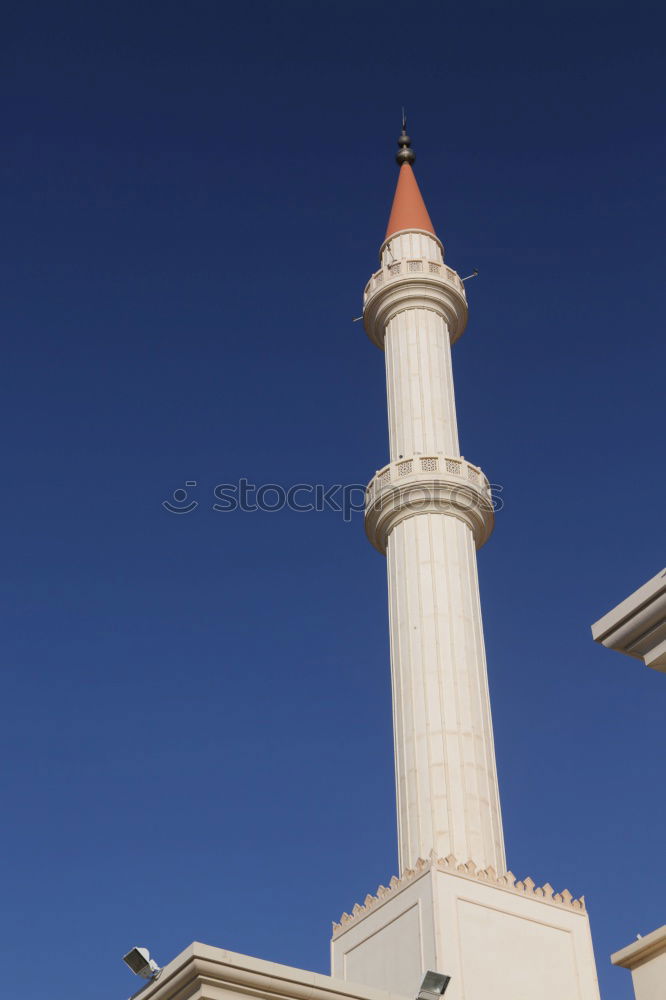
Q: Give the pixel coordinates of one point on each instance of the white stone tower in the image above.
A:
(454, 908)
(429, 510)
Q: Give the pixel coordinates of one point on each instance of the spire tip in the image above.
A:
(405, 153)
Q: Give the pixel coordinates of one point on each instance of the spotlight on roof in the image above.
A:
(433, 986)
(141, 964)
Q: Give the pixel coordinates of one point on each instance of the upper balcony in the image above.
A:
(412, 279)
(401, 269)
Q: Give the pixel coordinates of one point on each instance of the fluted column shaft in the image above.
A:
(419, 385)
(446, 779)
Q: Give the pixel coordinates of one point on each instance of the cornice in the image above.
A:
(428, 484)
(212, 973)
(414, 283)
(637, 626)
(642, 950)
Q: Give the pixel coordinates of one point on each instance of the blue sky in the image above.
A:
(196, 729)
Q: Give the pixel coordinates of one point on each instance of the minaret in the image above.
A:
(428, 511)
(453, 907)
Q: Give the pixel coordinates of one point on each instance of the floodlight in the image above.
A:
(433, 986)
(141, 964)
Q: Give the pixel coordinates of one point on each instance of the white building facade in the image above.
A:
(637, 628)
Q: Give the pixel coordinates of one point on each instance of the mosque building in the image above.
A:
(453, 909)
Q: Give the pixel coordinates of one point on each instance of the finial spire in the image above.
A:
(405, 153)
(408, 210)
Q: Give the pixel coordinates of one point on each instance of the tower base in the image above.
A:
(494, 936)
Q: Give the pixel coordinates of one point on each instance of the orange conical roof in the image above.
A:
(408, 210)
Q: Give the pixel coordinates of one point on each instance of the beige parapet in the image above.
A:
(637, 626)
(646, 958)
(209, 973)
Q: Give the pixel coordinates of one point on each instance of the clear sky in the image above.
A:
(196, 727)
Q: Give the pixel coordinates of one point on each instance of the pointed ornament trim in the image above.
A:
(467, 869)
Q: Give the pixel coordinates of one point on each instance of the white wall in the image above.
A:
(496, 942)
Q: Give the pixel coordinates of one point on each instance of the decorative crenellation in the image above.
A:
(525, 887)
(413, 275)
(403, 268)
(426, 484)
(426, 463)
